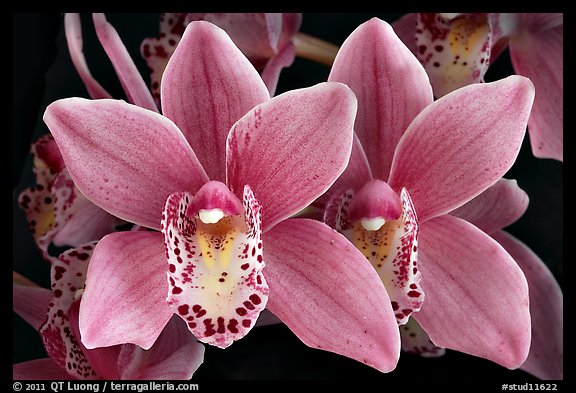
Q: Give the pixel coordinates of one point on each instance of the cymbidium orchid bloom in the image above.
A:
(414, 161)
(457, 49)
(265, 38)
(219, 174)
(56, 210)
(174, 355)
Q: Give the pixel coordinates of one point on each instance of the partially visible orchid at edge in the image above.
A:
(203, 175)
(54, 314)
(457, 49)
(414, 161)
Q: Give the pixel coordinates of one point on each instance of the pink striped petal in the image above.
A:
(499, 206)
(176, 355)
(39, 369)
(461, 144)
(539, 56)
(416, 341)
(456, 51)
(68, 278)
(73, 30)
(405, 29)
(125, 296)
(540, 22)
(31, 303)
(290, 149)
(131, 80)
(476, 295)
(157, 51)
(391, 85)
(125, 159)
(207, 86)
(393, 252)
(323, 289)
(215, 269)
(546, 356)
(356, 174)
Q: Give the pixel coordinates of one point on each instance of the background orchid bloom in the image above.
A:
(216, 235)
(175, 355)
(56, 210)
(457, 49)
(265, 38)
(416, 160)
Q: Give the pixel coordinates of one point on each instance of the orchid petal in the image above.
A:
(130, 78)
(68, 275)
(39, 369)
(76, 219)
(336, 211)
(271, 72)
(541, 22)
(207, 86)
(461, 144)
(405, 29)
(545, 359)
(157, 51)
(476, 295)
(416, 341)
(393, 252)
(323, 289)
(539, 56)
(123, 158)
(499, 206)
(391, 85)
(125, 296)
(31, 303)
(356, 174)
(73, 30)
(102, 360)
(176, 355)
(292, 148)
(455, 52)
(215, 270)
(38, 205)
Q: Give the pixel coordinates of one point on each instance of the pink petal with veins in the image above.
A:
(462, 144)
(124, 158)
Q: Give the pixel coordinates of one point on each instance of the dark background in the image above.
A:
(43, 72)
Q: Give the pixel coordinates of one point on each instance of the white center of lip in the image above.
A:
(78, 293)
(372, 224)
(211, 216)
(450, 16)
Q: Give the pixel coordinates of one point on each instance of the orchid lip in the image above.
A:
(210, 216)
(372, 224)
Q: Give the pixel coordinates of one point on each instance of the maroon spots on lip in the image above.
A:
(58, 272)
(196, 308)
(439, 48)
(413, 286)
(248, 305)
(57, 293)
(406, 311)
(259, 279)
(171, 269)
(221, 328)
(233, 326)
(200, 313)
(395, 306)
(245, 266)
(414, 294)
(246, 323)
(255, 299)
(422, 49)
(183, 309)
(241, 311)
(176, 290)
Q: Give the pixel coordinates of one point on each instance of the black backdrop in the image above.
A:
(42, 72)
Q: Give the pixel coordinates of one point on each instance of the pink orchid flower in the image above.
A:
(56, 210)
(414, 161)
(457, 49)
(174, 355)
(267, 159)
(265, 38)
